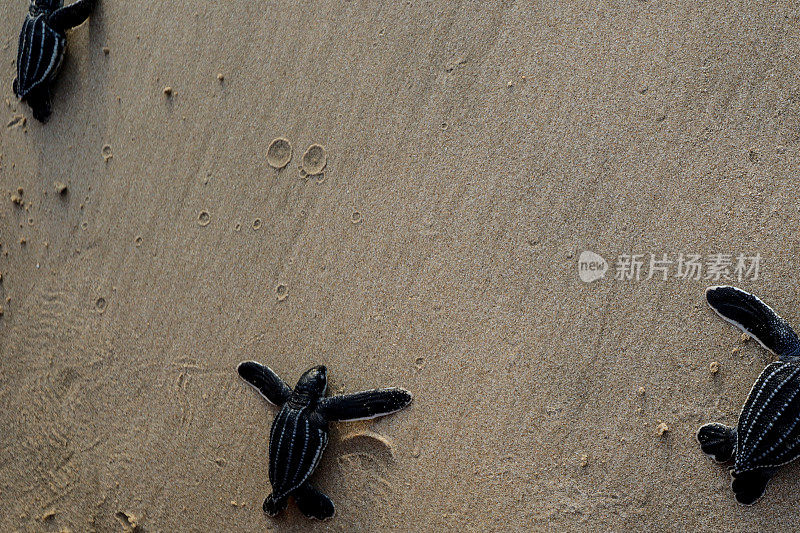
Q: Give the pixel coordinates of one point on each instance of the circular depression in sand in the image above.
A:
(315, 159)
(279, 153)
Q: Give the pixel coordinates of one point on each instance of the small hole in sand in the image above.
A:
(281, 291)
(100, 304)
(203, 218)
(107, 153)
(237, 226)
(257, 224)
(279, 153)
(138, 240)
(315, 159)
(84, 225)
(129, 522)
(419, 362)
(355, 217)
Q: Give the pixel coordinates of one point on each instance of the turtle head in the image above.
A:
(45, 5)
(313, 383)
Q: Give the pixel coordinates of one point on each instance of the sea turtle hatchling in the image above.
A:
(768, 432)
(41, 49)
(299, 432)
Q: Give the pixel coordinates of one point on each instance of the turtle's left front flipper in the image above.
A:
(364, 405)
(757, 319)
(72, 15)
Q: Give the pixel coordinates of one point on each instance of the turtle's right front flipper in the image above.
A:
(755, 318)
(72, 15)
(266, 381)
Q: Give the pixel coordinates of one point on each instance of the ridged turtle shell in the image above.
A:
(39, 55)
(296, 442)
(768, 433)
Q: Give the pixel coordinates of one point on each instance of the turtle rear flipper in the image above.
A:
(272, 506)
(313, 503)
(39, 102)
(757, 319)
(750, 486)
(718, 441)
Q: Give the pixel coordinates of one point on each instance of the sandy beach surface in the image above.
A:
(474, 151)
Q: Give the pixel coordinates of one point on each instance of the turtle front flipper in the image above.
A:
(266, 381)
(750, 486)
(757, 319)
(718, 441)
(313, 503)
(72, 15)
(272, 506)
(364, 405)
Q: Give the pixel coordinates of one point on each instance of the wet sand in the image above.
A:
(473, 151)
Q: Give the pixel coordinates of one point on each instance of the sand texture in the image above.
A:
(470, 152)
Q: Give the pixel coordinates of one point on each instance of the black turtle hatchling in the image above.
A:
(768, 432)
(300, 430)
(41, 49)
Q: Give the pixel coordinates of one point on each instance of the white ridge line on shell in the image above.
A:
(291, 444)
(782, 438)
(746, 419)
(764, 406)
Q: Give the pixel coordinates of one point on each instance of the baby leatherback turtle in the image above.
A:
(300, 430)
(768, 432)
(41, 49)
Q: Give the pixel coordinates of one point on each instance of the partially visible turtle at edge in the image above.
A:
(768, 432)
(299, 432)
(42, 41)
